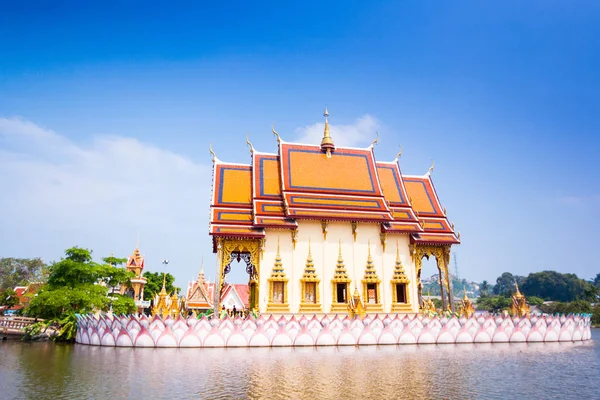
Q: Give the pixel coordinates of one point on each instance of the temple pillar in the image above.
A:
(219, 273)
(449, 285)
(442, 281)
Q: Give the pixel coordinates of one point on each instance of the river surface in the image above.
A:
(466, 371)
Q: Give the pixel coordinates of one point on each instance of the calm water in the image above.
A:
(500, 371)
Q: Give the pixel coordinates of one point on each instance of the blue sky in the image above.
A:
(106, 113)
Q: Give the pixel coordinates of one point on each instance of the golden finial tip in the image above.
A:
(326, 113)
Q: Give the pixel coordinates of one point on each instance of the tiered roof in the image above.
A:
(324, 182)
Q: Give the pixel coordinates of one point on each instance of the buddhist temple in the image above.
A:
(320, 227)
(135, 264)
(200, 295)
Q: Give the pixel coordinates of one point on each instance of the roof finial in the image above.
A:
(202, 265)
(327, 143)
(214, 156)
(431, 168)
(275, 133)
(399, 154)
(249, 145)
(376, 139)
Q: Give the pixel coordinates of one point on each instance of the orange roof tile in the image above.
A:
(232, 185)
(266, 176)
(392, 184)
(348, 171)
(423, 196)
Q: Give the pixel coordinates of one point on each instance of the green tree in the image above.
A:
(21, 271)
(554, 286)
(596, 316)
(597, 281)
(9, 298)
(505, 285)
(122, 304)
(535, 301)
(76, 284)
(493, 303)
(484, 289)
(154, 283)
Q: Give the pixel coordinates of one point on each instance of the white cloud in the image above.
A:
(361, 132)
(57, 193)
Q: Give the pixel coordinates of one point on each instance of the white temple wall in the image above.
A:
(325, 254)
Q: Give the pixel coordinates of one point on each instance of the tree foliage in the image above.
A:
(505, 284)
(21, 271)
(154, 283)
(9, 298)
(484, 289)
(493, 303)
(77, 284)
(554, 286)
(575, 307)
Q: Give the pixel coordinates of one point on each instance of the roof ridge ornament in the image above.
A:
(275, 133)
(430, 170)
(399, 154)
(374, 142)
(327, 143)
(214, 156)
(249, 145)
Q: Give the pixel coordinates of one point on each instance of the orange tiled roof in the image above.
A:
(302, 182)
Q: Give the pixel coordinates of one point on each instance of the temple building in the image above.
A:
(321, 227)
(135, 264)
(200, 295)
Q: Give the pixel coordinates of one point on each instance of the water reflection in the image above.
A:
(470, 371)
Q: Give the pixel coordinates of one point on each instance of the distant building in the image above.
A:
(200, 295)
(135, 264)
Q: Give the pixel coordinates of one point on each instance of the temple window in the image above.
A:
(371, 281)
(310, 298)
(372, 293)
(277, 286)
(340, 285)
(310, 295)
(341, 292)
(278, 292)
(400, 292)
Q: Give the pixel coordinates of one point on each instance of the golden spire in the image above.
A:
(327, 143)
(370, 273)
(163, 291)
(278, 272)
(309, 270)
(399, 274)
(340, 274)
(518, 293)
